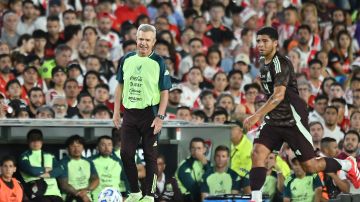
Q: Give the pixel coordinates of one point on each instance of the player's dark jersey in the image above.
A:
(280, 71)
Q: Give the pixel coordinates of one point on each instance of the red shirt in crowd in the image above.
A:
(345, 124)
(3, 83)
(124, 13)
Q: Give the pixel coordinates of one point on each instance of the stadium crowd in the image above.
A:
(59, 59)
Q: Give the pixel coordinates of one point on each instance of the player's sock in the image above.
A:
(257, 177)
(333, 165)
(256, 196)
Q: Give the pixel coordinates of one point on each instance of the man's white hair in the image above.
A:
(8, 14)
(146, 28)
(58, 97)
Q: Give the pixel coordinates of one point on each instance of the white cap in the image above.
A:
(246, 14)
(242, 57)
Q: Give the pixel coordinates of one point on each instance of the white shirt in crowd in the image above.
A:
(188, 96)
(209, 72)
(185, 64)
(315, 116)
(337, 134)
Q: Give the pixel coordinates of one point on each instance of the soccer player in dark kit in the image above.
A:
(285, 119)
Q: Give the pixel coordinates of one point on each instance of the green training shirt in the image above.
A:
(143, 79)
(269, 187)
(189, 175)
(78, 171)
(216, 183)
(302, 190)
(31, 167)
(111, 174)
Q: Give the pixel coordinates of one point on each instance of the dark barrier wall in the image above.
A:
(59, 150)
(173, 141)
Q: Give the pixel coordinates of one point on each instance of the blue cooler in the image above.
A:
(232, 198)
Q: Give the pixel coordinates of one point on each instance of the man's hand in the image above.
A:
(157, 125)
(81, 193)
(250, 121)
(201, 157)
(48, 169)
(45, 175)
(117, 120)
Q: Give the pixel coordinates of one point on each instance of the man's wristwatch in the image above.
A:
(160, 116)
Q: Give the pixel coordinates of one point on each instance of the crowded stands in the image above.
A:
(59, 60)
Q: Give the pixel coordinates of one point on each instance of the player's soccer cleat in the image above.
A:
(147, 199)
(353, 174)
(134, 197)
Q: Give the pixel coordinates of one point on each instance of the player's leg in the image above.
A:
(130, 137)
(300, 141)
(269, 139)
(332, 165)
(258, 170)
(149, 142)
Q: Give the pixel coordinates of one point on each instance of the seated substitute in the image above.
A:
(274, 181)
(302, 187)
(109, 168)
(39, 170)
(10, 188)
(190, 171)
(80, 176)
(221, 179)
(167, 188)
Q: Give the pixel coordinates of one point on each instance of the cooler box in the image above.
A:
(232, 198)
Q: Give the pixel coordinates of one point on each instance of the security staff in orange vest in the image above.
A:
(10, 188)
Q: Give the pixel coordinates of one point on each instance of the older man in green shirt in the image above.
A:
(143, 89)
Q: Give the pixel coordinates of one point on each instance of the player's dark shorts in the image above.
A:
(298, 138)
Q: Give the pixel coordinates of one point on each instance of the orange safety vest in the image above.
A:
(10, 195)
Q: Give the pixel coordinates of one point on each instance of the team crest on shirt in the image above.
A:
(268, 79)
(169, 187)
(138, 69)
